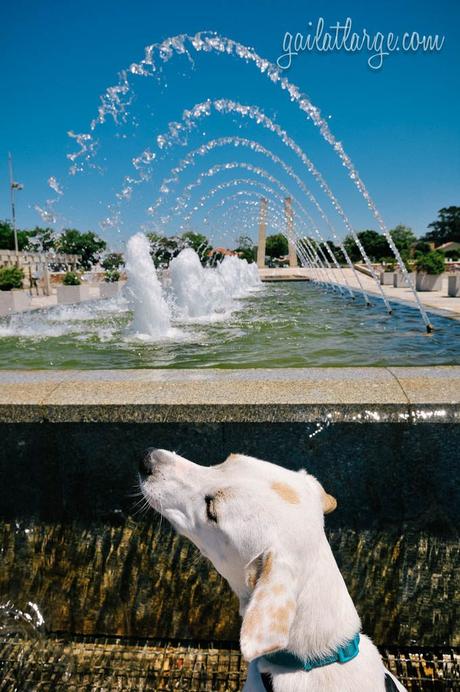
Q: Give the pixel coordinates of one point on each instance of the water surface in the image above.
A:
(278, 325)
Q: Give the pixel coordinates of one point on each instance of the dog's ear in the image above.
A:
(271, 608)
(328, 502)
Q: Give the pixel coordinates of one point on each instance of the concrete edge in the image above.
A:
(399, 394)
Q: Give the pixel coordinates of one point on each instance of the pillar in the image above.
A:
(262, 233)
(289, 216)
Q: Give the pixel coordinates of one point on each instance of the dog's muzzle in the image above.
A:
(147, 463)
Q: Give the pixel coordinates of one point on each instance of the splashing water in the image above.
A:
(197, 291)
(165, 189)
(28, 622)
(239, 276)
(116, 101)
(204, 292)
(152, 317)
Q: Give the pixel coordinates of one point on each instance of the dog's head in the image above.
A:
(259, 524)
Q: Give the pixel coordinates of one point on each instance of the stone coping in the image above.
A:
(396, 394)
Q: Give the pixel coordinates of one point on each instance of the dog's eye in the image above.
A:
(210, 509)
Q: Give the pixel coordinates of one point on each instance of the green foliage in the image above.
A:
(276, 245)
(375, 245)
(88, 245)
(164, 249)
(403, 237)
(112, 276)
(339, 256)
(453, 254)
(446, 228)
(41, 239)
(113, 260)
(11, 277)
(199, 243)
(389, 264)
(421, 248)
(431, 263)
(7, 237)
(406, 259)
(246, 249)
(71, 279)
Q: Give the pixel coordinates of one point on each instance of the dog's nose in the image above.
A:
(146, 462)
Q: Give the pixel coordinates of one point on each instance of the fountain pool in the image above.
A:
(273, 325)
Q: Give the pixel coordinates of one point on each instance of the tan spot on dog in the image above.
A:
(278, 589)
(251, 621)
(280, 627)
(286, 493)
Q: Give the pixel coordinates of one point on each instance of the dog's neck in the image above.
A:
(326, 616)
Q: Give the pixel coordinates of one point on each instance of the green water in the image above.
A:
(282, 325)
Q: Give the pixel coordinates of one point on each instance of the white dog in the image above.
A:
(262, 527)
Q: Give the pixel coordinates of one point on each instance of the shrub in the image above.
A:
(389, 264)
(71, 279)
(114, 260)
(11, 277)
(431, 263)
(112, 276)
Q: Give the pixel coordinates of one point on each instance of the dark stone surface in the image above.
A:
(68, 541)
(139, 579)
(384, 475)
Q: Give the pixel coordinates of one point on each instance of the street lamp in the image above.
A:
(13, 187)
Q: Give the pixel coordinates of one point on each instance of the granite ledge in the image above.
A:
(251, 395)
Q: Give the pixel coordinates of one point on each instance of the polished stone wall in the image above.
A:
(71, 542)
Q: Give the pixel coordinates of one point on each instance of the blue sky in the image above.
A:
(399, 124)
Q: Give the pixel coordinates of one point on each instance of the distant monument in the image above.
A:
(289, 215)
(262, 233)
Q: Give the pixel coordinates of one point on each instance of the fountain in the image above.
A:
(81, 545)
(196, 291)
(152, 317)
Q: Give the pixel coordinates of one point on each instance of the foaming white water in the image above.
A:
(61, 320)
(152, 317)
(199, 292)
(238, 276)
(196, 291)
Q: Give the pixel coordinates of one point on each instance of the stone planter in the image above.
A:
(398, 279)
(16, 300)
(387, 278)
(109, 289)
(66, 295)
(428, 282)
(453, 286)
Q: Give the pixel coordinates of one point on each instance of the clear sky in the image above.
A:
(399, 124)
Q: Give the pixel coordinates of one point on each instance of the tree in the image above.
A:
(375, 245)
(7, 237)
(421, 248)
(88, 245)
(446, 228)
(245, 248)
(113, 261)
(403, 237)
(199, 243)
(164, 249)
(276, 245)
(42, 239)
(336, 250)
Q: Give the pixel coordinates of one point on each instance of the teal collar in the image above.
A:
(343, 654)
